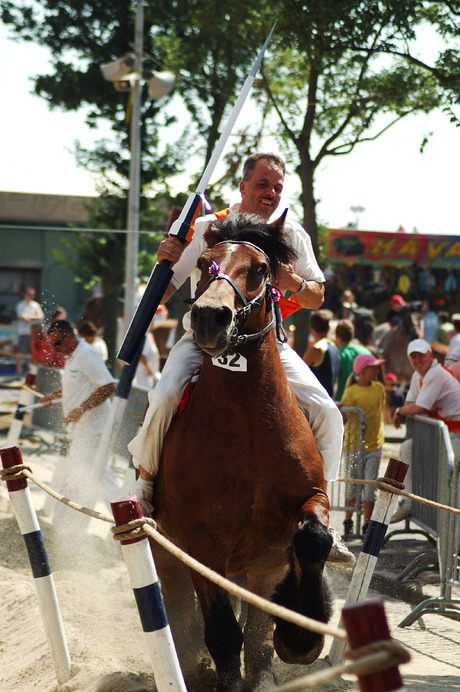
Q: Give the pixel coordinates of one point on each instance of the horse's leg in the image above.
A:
(258, 634)
(222, 633)
(306, 591)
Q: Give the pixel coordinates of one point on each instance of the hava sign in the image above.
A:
(350, 246)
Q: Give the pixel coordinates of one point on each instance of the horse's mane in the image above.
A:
(270, 238)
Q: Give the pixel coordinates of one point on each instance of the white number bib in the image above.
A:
(231, 361)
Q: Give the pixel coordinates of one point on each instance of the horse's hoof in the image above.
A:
(289, 655)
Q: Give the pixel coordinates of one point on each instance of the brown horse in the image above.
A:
(241, 485)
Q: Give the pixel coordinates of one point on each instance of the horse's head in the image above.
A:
(233, 294)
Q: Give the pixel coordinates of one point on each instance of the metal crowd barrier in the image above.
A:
(351, 466)
(435, 476)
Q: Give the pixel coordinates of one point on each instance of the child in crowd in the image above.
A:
(394, 397)
(368, 395)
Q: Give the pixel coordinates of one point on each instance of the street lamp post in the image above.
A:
(132, 232)
(127, 74)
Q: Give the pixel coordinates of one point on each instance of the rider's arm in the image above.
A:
(308, 294)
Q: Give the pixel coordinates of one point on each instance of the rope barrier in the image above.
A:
(374, 658)
(384, 484)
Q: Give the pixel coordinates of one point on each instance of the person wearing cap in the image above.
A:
(433, 391)
(369, 395)
(397, 303)
(394, 396)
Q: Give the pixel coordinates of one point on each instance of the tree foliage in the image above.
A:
(338, 73)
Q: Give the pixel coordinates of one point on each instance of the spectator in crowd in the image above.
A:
(429, 322)
(443, 330)
(88, 331)
(348, 304)
(397, 303)
(344, 333)
(28, 312)
(453, 352)
(394, 397)
(87, 386)
(433, 391)
(59, 313)
(368, 395)
(41, 350)
(322, 355)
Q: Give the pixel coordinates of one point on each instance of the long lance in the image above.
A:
(182, 228)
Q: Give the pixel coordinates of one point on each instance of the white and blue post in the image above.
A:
(26, 517)
(372, 544)
(25, 399)
(144, 581)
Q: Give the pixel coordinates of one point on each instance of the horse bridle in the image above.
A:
(242, 314)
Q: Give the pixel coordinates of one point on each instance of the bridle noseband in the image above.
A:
(242, 314)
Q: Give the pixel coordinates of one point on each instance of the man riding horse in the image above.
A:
(261, 189)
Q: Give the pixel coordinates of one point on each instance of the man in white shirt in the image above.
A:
(29, 312)
(434, 391)
(87, 386)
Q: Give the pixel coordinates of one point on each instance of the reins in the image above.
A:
(242, 314)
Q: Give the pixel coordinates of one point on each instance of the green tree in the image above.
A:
(338, 73)
(343, 72)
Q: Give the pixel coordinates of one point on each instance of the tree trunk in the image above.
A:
(305, 170)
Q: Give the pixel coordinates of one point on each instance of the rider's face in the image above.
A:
(261, 194)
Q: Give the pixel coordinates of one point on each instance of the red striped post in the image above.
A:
(26, 517)
(373, 542)
(366, 623)
(146, 587)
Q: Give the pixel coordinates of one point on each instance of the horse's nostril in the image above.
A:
(216, 319)
(223, 317)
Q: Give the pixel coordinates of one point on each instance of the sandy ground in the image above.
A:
(105, 639)
(106, 644)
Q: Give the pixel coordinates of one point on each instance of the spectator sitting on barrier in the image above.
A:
(88, 331)
(344, 333)
(368, 395)
(42, 351)
(86, 388)
(433, 391)
(394, 397)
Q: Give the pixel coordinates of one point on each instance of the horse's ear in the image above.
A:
(279, 223)
(210, 235)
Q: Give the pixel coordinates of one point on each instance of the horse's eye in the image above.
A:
(262, 270)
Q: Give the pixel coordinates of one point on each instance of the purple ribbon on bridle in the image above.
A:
(214, 269)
